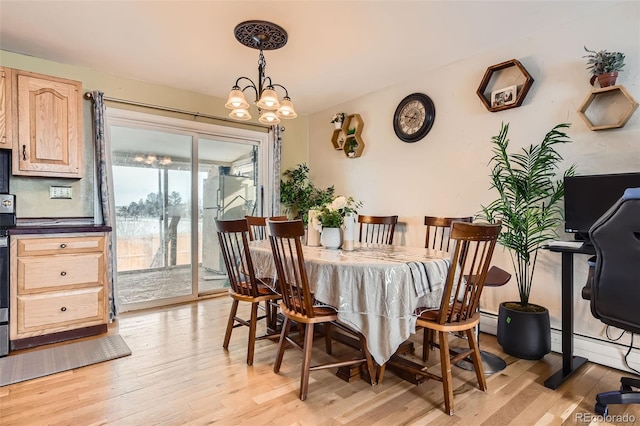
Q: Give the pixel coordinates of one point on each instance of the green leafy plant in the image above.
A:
(338, 117)
(603, 61)
(528, 204)
(299, 194)
(351, 131)
(331, 214)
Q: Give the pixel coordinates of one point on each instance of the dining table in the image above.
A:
(375, 289)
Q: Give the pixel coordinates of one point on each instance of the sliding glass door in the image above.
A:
(171, 179)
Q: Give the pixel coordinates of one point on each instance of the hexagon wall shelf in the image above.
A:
(493, 72)
(607, 108)
(353, 144)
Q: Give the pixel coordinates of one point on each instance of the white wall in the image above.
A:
(446, 173)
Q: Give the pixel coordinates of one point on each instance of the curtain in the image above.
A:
(105, 210)
(276, 134)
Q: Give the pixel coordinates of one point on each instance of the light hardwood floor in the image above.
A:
(179, 374)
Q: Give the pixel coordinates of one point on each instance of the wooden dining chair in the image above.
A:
(458, 311)
(244, 286)
(258, 226)
(437, 238)
(377, 229)
(298, 304)
(439, 230)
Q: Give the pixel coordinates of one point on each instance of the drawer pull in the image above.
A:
(63, 309)
(63, 245)
(63, 273)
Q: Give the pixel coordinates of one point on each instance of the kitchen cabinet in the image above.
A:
(58, 287)
(5, 108)
(47, 115)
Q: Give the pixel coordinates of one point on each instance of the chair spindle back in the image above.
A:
(234, 238)
(258, 226)
(286, 244)
(377, 229)
(439, 231)
(474, 246)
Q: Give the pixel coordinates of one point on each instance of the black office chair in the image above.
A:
(613, 282)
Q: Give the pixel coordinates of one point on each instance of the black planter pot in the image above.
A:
(525, 335)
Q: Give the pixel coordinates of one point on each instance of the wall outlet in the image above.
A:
(60, 192)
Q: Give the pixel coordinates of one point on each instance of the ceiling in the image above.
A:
(336, 51)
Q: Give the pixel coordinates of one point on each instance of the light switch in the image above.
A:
(63, 192)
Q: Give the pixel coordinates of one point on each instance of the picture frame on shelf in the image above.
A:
(504, 96)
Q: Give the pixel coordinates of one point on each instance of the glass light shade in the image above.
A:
(165, 161)
(269, 100)
(139, 158)
(269, 117)
(236, 100)
(286, 109)
(151, 158)
(240, 114)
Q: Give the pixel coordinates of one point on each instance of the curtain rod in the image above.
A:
(89, 95)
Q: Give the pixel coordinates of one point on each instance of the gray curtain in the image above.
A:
(276, 132)
(105, 211)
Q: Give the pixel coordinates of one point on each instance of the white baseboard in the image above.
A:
(594, 349)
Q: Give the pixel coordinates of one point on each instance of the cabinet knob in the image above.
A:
(63, 245)
(63, 309)
(63, 273)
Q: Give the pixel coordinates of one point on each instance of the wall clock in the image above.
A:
(414, 117)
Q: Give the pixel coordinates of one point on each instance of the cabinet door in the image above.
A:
(5, 103)
(49, 125)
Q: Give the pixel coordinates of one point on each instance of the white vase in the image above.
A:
(331, 238)
(338, 124)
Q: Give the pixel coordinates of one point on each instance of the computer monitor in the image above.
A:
(587, 197)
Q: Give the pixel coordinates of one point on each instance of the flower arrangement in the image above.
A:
(338, 117)
(331, 215)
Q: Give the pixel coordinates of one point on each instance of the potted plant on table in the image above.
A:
(604, 66)
(330, 218)
(528, 207)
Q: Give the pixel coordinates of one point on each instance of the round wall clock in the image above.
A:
(414, 117)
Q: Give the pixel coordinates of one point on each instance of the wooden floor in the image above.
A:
(179, 374)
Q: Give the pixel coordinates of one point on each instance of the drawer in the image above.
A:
(56, 311)
(46, 273)
(60, 245)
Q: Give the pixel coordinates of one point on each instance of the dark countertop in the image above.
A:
(56, 229)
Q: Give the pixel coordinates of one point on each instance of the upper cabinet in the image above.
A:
(47, 119)
(5, 107)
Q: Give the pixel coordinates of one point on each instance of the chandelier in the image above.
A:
(260, 35)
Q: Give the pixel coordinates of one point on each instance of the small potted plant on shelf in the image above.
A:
(337, 119)
(528, 207)
(604, 66)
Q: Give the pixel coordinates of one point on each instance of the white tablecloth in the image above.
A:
(372, 287)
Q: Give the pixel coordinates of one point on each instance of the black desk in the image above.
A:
(570, 363)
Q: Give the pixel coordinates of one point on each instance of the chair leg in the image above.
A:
(286, 325)
(447, 379)
(477, 360)
(252, 333)
(427, 343)
(232, 315)
(306, 362)
(327, 337)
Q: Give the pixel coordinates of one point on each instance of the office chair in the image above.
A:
(612, 285)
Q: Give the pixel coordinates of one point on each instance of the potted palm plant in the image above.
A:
(604, 66)
(528, 207)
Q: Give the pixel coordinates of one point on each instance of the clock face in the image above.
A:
(414, 117)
